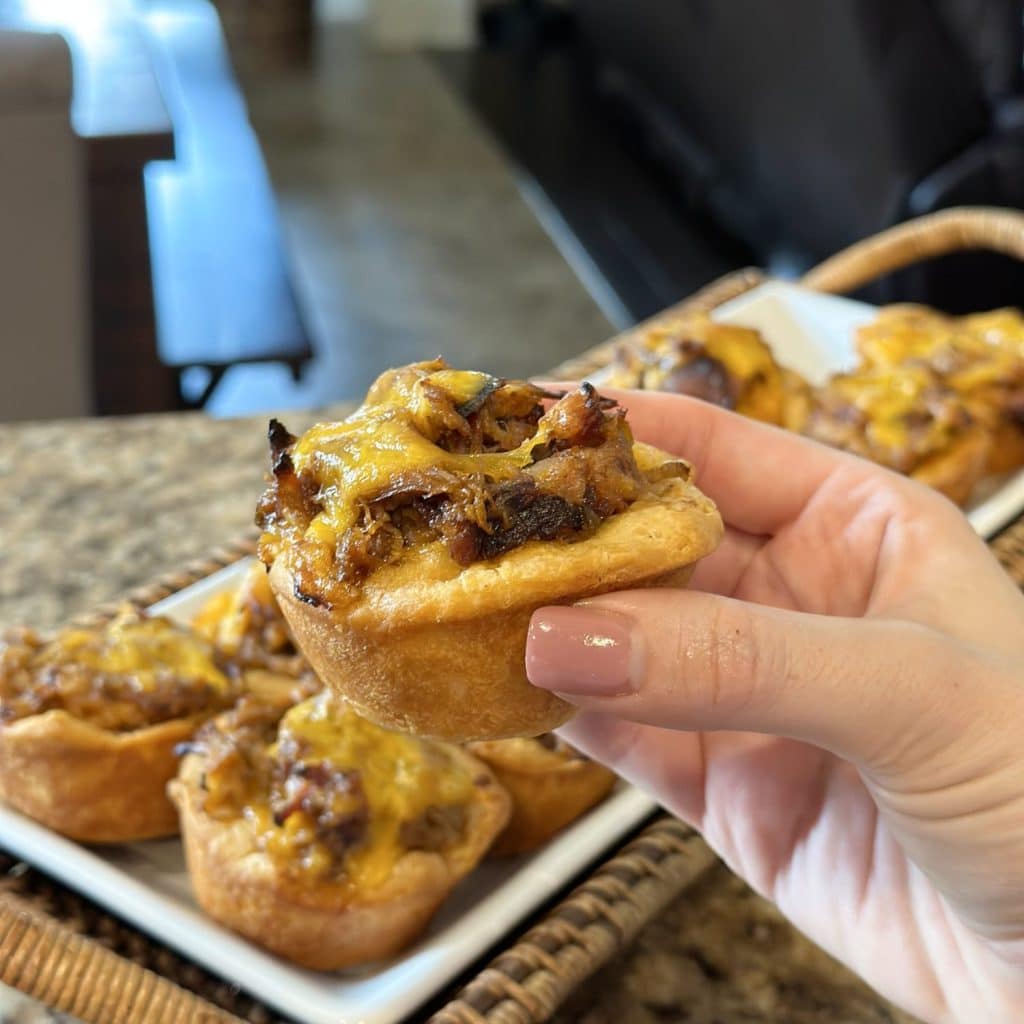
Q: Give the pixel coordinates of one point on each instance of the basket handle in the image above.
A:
(935, 234)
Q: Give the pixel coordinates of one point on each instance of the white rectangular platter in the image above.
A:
(147, 884)
(813, 333)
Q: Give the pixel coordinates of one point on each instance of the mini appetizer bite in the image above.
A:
(89, 722)
(725, 364)
(325, 839)
(247, 628)
(907, 419)
(410, 543)
(551, 785)
(980, 357)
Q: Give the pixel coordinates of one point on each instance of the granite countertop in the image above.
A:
(91, 508)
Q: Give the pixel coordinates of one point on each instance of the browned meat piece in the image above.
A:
(331, 798)
(290, 503)
(706, 378)
(583, 418)
(235, 748)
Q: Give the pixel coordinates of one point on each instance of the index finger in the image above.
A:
(761, 477)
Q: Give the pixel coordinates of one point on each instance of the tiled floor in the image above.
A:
(406, 230)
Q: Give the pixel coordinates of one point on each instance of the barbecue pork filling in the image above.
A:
(330, 796)
(898, 418)
(438, 456)
(246, 627)
(136, 671)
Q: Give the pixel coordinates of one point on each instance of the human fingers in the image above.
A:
(721, 571)
(667, 765)
(883, 694)
(760, 477)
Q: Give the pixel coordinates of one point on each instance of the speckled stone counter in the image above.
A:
(89, 509)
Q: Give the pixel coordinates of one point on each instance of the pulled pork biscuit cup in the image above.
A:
(551, 785)
(325, 839)
(409, 544)
(89, 722)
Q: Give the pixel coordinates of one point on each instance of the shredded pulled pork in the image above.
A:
(313, 802)
(235, 748)
(69, 673)
(896, 419)
(581, 473)
(680, 364)
(251, 633)
(315, 812)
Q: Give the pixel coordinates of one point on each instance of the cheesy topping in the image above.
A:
(357, 459)
(449, 464)
(896, 416)
(331, 797)
(146, 649)
(721, 363)
(136, 671)
(972, 353)
(401, 778)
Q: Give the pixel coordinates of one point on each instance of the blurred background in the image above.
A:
(246, 205)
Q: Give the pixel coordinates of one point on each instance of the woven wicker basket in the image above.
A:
(925, 238)
(60, 948)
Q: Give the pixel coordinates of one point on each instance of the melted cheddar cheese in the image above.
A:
(667, 349)
(401, 777)
(356, 459)
(888, 399)
(142, 648)
(973, 353)
(1002, 327)
(228, 616)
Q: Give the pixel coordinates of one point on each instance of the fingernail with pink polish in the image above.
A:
(582, 651)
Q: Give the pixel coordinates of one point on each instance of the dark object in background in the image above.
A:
(530, 23)
(44, 310)
(801, 127)
(119, 116)
(617, 218)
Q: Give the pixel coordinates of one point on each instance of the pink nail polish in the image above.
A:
(582, 651)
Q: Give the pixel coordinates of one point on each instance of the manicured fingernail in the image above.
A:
(582, 651)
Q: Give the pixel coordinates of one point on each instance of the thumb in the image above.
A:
(862, 688)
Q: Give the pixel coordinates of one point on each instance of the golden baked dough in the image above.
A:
(721, 363)
(325, 839)
(905, 418)
(89, 723)
(410, 544)
(550, 783)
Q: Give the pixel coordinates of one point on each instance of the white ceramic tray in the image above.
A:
(147, 884)
(813, 333)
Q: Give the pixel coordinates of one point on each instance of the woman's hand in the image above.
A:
(837, 703)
